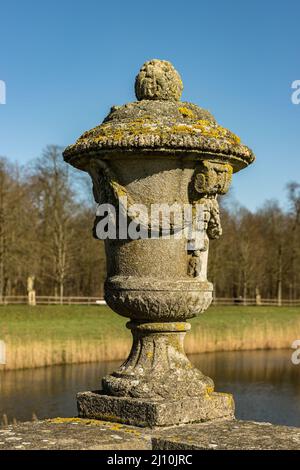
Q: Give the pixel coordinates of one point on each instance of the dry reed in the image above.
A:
(26, 354)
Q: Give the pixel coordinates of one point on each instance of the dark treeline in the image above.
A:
(46, 231)
(258, 253)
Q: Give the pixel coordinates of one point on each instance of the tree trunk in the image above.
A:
(245, 293)
(61, 292)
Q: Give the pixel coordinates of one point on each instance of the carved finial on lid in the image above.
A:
(158, 80)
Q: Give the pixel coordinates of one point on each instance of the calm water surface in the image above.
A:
(265, 384)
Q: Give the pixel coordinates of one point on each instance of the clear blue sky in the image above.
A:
(65, 62)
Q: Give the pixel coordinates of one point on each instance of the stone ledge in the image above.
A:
(228, 435)
(73, 434)
(85, 434)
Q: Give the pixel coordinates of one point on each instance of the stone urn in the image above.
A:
(153, 152)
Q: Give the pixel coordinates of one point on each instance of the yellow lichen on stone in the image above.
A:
(115, 427)
(182, 129)
(209, 390)
(132, 431)
(94, 422)
(229, 168)
(85, 421)
(229, 398)
(186, 112)
(118, 189)
(211, 130)
(146, 126)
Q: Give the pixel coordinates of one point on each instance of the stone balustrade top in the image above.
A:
(85, 434)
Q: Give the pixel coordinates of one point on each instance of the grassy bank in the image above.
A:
(47, 335)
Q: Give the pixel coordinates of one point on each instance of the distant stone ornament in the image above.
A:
(31, 291)
(153, 151)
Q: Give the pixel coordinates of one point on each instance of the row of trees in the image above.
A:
(45, 231)
(259, 253)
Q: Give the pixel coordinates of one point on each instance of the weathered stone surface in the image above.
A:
(145, 298)
(158, 80)
(153, 413)
(80, 434)
(158, 151)
(158, 367)
(73, 434)
(160, 122)
(228, 435)
(161, 127)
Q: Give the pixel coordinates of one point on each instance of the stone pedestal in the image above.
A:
(157, 385)
(157, 366)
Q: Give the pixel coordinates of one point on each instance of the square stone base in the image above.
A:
(151, 413)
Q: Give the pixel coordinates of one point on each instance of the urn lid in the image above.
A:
(159, 123)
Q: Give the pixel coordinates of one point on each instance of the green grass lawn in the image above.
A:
(43, 335)
(59, 322)
(234, 317)
(75, 321)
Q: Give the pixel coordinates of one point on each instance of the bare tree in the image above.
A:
(12, 211)
(54, 200)
(46, 231)
(294, 211)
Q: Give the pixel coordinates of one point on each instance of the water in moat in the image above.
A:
(265, 385)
